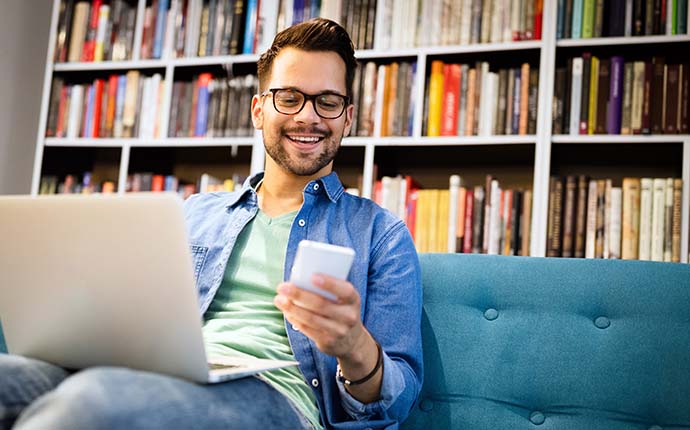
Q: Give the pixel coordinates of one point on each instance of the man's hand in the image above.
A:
(336, 328)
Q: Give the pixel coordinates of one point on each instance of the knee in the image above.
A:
(84, 400)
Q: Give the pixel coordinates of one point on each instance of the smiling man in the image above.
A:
(360, 357)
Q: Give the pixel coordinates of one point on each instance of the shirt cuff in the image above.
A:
(392, 385)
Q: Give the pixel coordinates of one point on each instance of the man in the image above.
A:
(359, 356)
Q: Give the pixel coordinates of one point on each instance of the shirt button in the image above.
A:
(315, 383)
(301, 223)
(294, 328)
(316, 187)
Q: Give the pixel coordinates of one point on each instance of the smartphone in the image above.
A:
(316, 257)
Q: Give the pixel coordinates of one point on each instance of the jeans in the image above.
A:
(39, 395)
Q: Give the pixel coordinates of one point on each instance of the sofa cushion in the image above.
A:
(516, 342)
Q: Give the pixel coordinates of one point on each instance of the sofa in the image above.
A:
(551, 343)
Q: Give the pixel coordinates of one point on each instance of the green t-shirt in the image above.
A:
(242, 319)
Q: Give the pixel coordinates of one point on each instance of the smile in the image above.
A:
(305, 139)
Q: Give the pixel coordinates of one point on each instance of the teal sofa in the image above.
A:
(550, 343)
(546, 343)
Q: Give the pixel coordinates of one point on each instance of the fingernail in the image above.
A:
(284, 289)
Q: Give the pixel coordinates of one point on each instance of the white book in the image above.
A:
(576, 96)
(170, 22)
(435, 23)
(496, 21)
(669, 17)
(465, 22)
(453, 212)
(145, 111)
(494, 238)
(515, 14)
(658, 218)
(645, 219)
(411, 27)
(668, 221)
(425, 16)
(628, 17)
(103, 15)
(268, 22)
(285, 15)
(487, 103)
(76, 103)
(505, 23)
(382, 26)
(191, 44)
(616, 217)
(485, 35)
(591, 229)
(330, 9)
(397, 23)
(607, 218)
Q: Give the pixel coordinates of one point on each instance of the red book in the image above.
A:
(97, 106)
(90, 40)
(538, 18)
(413, 196)
(451, 99)
(157, 183)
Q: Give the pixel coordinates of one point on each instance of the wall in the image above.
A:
(24, 33)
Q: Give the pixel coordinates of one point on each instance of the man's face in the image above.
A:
(303, 144)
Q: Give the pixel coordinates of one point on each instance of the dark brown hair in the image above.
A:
(317, 34)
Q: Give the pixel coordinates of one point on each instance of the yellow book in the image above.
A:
(442, 221)
(435, 98)
(432, 225)
(593, 95)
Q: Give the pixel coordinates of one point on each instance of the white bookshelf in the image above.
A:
(543, 140)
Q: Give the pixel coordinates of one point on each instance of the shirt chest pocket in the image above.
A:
(199, 254)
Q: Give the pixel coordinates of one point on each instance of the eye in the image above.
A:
(288, 98)
(329, 102)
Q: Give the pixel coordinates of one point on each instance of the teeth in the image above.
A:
(305, 139)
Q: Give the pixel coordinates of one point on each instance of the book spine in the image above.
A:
(614, 117)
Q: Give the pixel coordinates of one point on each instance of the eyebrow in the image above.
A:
(328, 91)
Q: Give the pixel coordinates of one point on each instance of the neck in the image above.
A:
(281, 191)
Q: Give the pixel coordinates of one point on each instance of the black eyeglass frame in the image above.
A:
(307, 97)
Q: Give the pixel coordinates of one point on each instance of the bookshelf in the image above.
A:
(525, 160)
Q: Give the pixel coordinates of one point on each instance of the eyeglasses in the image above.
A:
(290, 101)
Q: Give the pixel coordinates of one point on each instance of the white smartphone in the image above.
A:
(316, 257)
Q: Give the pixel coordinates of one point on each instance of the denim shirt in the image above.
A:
(385, 273)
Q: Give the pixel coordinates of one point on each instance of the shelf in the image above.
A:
(213, 60)
(190, 142)
(455, 140)
(622, 139)
(109, 65)
(634, 40)
(141, 143)
(451, 49)
(87, 142)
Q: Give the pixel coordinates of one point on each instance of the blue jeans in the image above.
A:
(39, 395)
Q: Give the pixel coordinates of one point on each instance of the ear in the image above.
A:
(257, 112)
(349, 114)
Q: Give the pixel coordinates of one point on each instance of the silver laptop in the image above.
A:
(106, 281)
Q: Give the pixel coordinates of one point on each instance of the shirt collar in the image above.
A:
(329, 183)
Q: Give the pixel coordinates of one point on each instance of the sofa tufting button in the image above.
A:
(602, 322)
(426, 405)
(537, 418)
(491, 314)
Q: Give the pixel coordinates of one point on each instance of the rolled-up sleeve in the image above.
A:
(393, 316)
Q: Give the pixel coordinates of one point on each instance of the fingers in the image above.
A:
(342, 289)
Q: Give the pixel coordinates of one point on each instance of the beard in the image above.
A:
(303, 164)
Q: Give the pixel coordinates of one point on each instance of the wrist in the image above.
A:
(361, 359)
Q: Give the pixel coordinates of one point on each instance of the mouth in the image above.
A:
(305, 141)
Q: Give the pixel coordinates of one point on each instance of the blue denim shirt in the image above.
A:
(385, 273)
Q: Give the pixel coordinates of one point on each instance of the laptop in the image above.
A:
(104, 280)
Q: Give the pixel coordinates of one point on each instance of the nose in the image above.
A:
(308, 114)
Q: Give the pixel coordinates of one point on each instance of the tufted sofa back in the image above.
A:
(528, 343)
